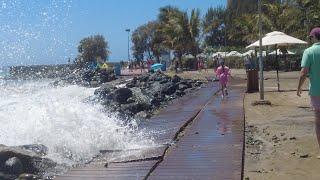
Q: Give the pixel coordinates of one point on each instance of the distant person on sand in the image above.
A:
(205, 65)
(176, 65)
(247, 62)
(223, 73)
(310, 67)
(142, 66)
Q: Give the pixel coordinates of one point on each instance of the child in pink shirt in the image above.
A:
(223, 72)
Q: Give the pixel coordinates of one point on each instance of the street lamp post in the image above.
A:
(128, 30)
(260, 55)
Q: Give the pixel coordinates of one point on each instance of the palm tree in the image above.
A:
(180, 33)
(213, 26)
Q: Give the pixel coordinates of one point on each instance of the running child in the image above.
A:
(223, 73)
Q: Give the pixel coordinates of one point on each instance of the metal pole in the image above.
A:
(260, 55)
(128, 30)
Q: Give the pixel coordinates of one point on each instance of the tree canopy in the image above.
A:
(235, 25)
(91, 48)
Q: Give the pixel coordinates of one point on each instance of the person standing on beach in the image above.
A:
(310, 67)
(223, 73)
(247, 62)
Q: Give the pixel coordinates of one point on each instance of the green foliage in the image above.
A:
(222, 28)
(91, 48)
(213, 26)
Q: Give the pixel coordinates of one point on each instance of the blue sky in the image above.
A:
(48, 31)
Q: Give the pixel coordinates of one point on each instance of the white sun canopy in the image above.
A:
(277, 38)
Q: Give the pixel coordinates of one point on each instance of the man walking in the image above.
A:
(310, 66)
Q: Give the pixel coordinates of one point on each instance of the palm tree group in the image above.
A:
(234, 25)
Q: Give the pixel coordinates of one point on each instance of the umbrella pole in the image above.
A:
(278, 83)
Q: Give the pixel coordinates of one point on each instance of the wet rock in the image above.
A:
(94, 84)
(4, 176)
(103, 91)
(188, 82)
(143, 93)
(180, 93)
(176, 79)
(26, 176)
(169, 89)
(121, 95)
(198, 83)
(164, 81)
(182, 87)
(142, 115)
(13, 166)
(13, 158)
(39, 149)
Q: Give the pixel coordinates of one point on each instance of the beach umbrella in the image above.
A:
(279, 52)
(277, 39)
(156, 66)
(249, 52)
(234, 54)
(189, 56)
(264, 53)
(214, 55)
(223, 54)
(201, 55)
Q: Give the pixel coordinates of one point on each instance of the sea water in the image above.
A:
(34, 112)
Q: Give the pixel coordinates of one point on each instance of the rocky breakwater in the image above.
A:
(141, 96)
(25, 162)
(90, 78)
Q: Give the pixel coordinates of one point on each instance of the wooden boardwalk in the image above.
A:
(211, 148)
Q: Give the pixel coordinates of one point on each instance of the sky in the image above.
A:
(48, 31)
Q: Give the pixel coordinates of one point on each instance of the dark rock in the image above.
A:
(121, 95)
(13, 166)
(156, 101)
(187, 82)
(198, 83)
(88, 75)
(144, 78)
(182, 87)
(164, 81)
(26, 176)
(169, 89)
(31, 162)
(155, 88)
(176, 79)
(142, 115)
(39, 149)
(134, 108)
(130, 84)
(94, 84)
(7, 176)
(180, 93)
(103, 91)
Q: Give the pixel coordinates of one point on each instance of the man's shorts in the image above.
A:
(315, 102)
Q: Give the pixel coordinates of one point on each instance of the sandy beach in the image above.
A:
(280, 139)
